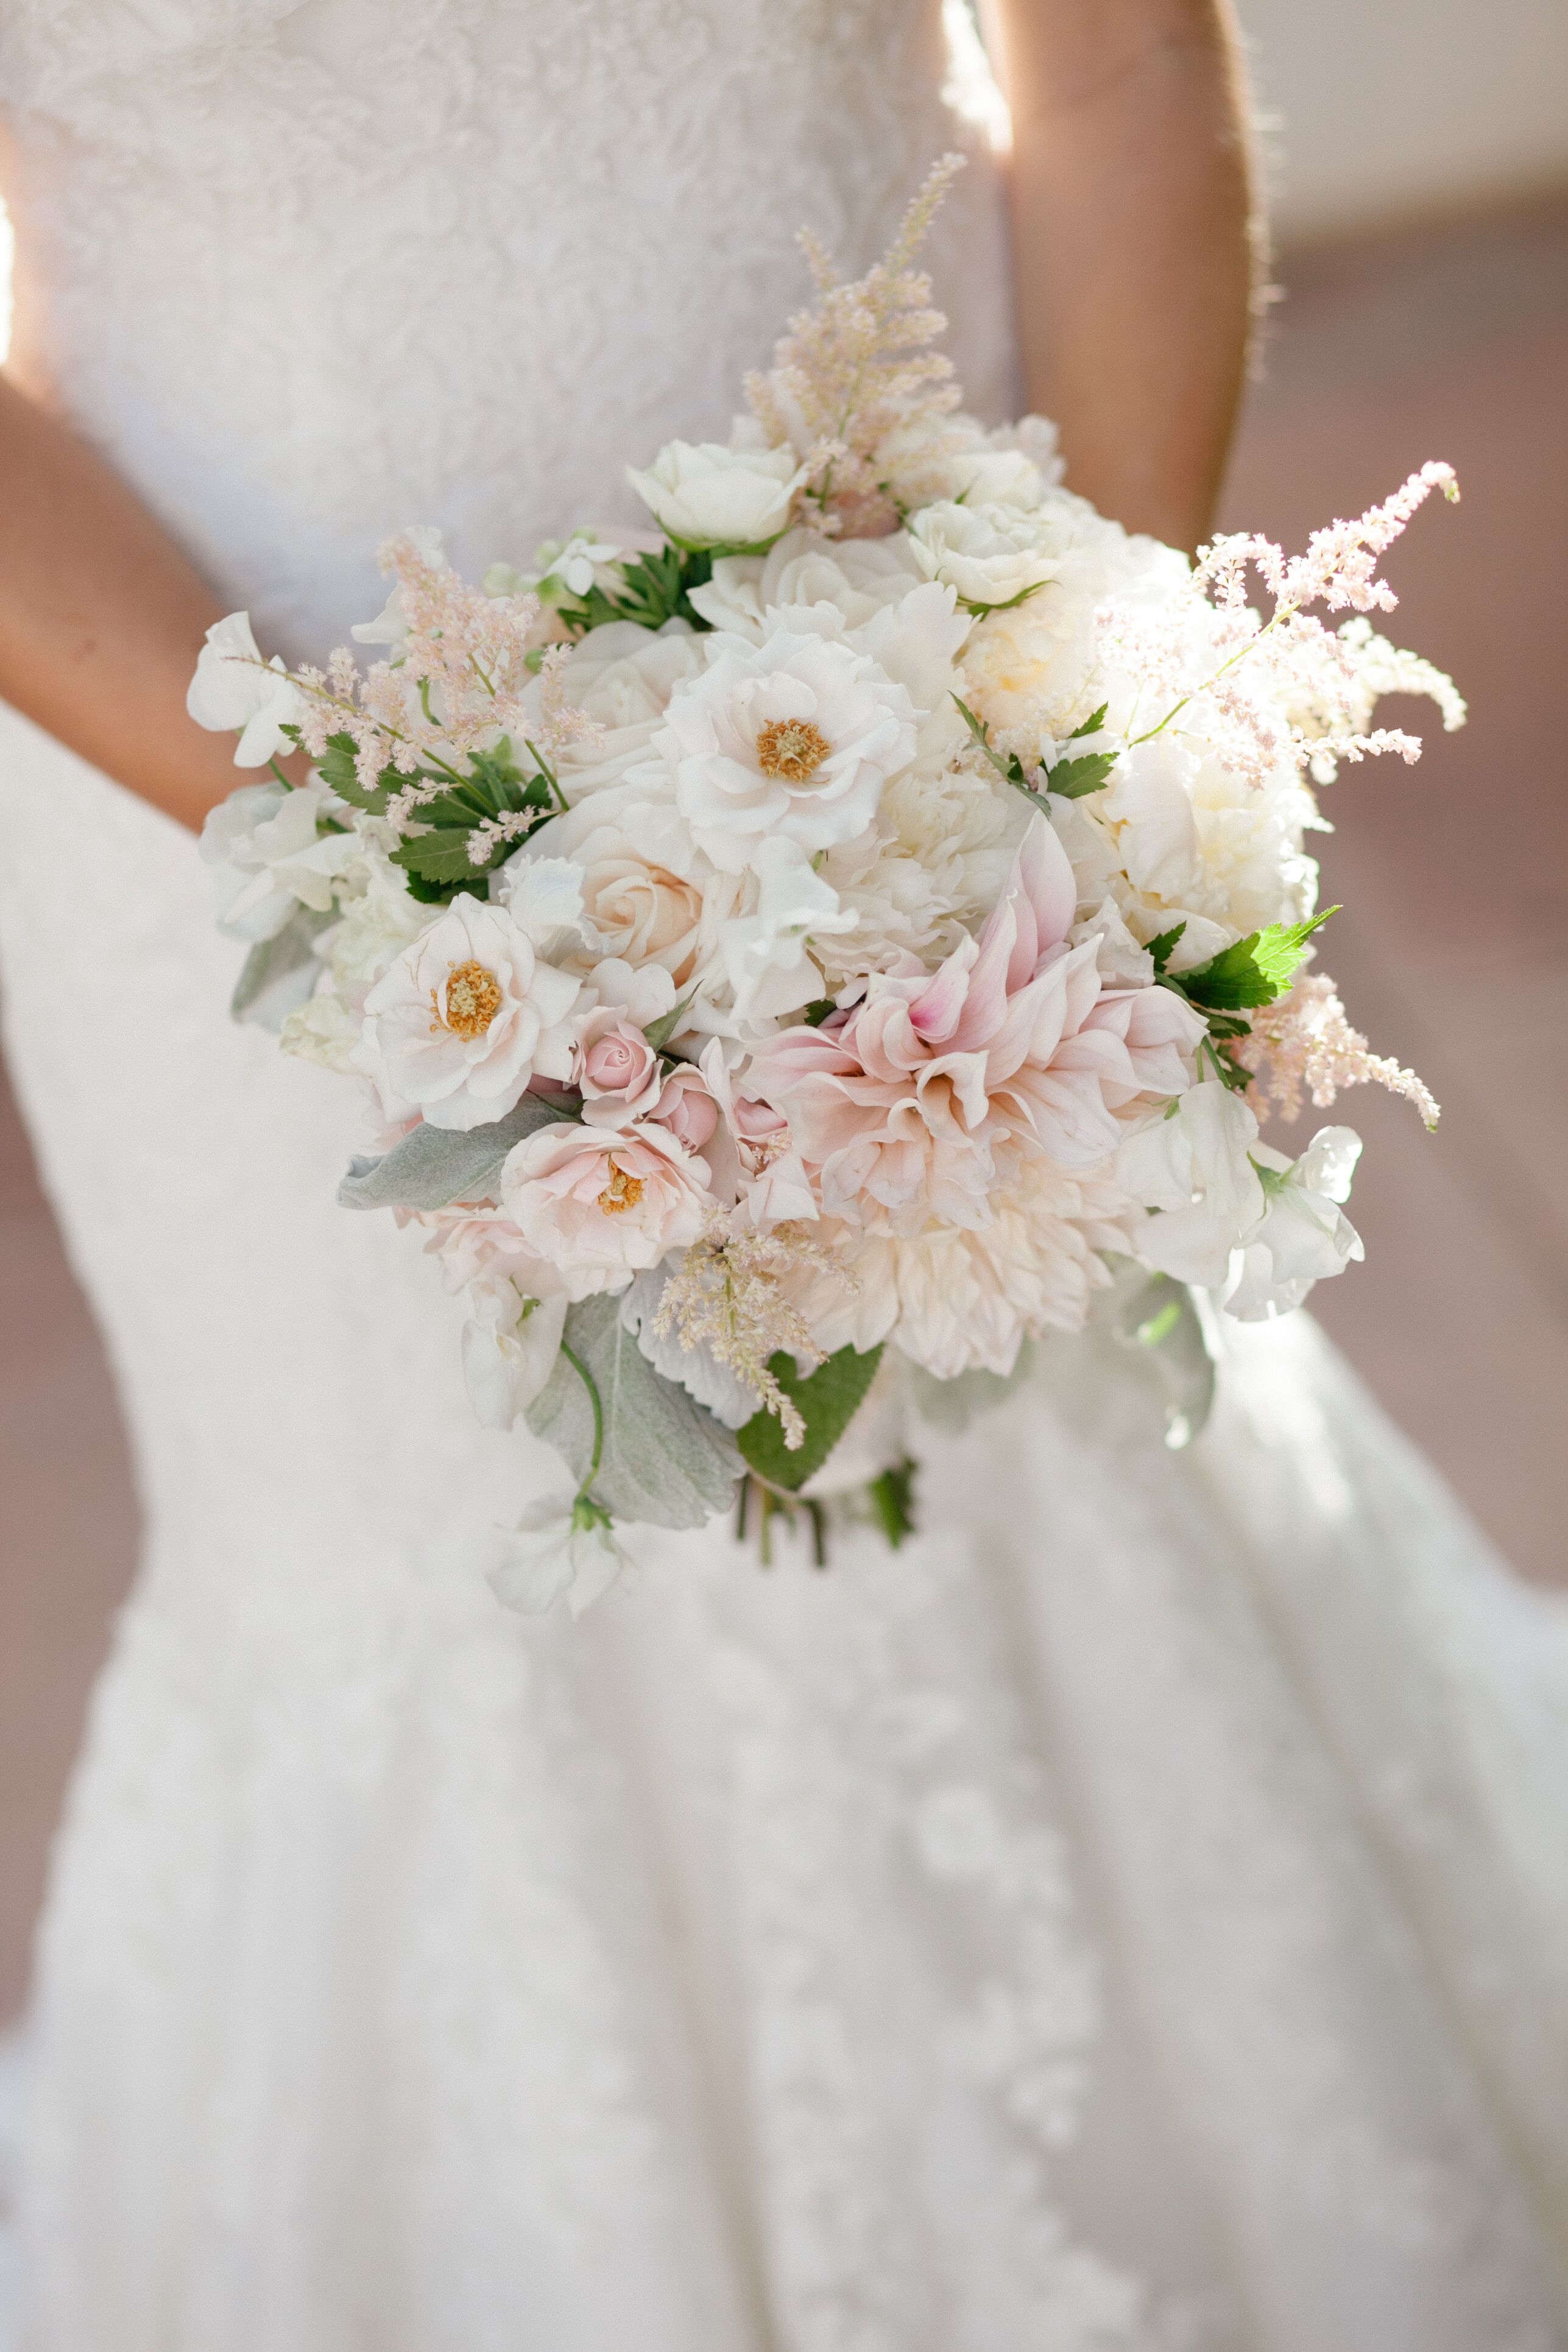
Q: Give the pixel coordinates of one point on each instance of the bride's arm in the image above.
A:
(101, 618)
(1136, 242)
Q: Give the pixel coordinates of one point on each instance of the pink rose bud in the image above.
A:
(687, 1108)
(621, 1061)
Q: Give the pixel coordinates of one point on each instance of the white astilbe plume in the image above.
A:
(1287, 688)
(725, 1297)
(1304, 1044)
(856, 371)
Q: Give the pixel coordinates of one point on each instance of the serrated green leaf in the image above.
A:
(433, 1166)
(1253, 971)
(653, 589)
(1071, 780)
(664, 1459)
(1091, 725)
(279, 973)
(827, 1400)
(1163, 948)
(660, 1033)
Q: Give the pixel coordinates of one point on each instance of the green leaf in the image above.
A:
(494, 786)
(1011, 768)
(433, 1166)
(660, 1033)
(1091, 725)
(1072, 778)
(1164, 947)
(827, 1399)
(892, 1497)
(338, 771)
(279, 973)
(820, 1009)
(1255, 970)
(652, 590)
(664, 1458)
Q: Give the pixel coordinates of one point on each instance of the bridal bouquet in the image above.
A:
(801, 953)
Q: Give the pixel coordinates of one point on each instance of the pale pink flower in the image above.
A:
(1305, 1043)
(617, 1070)
(687, 1107)
(901, 1107)
(602, 1204)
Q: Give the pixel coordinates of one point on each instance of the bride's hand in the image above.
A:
(1136, 239)
(101, 618)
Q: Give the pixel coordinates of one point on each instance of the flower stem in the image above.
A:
(589, 1382)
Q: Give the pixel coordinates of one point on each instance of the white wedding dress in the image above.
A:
(1132, 1919)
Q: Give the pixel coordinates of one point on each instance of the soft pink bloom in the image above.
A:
(753, 1153)
(687, 1107)
(602, 1204)
(1012, 1046)
(618, 1069)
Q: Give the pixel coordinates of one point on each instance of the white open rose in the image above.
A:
(765, 950)
(602, 1204)
(704, 495)
(794, 738)
(991, 555)
(234, 688)
(266, 849)
(465, 1018)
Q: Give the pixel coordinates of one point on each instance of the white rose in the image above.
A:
(234, 688)
(1303, 1235)
(265, 845)
(991, 554)
(856, 576)
(600, 1203)
(465, 1018)
(708, 496)
(795, 737)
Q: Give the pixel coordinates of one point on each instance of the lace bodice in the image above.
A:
(308, 270)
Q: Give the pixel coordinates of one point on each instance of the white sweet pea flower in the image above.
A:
(234, 688)
(764, 952)
(465, 1018)
(708, 496)
(1194, 1169)
(991, 555)
(794, 738)
(562, 1548)
(266, 849)
(510, 1348)
(1303, 1235)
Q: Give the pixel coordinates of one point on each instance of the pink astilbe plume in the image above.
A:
(1285, 688)
(1304, 1044)
(457, 683)
(855, 373)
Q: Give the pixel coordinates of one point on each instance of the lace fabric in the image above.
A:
(1126, 1920)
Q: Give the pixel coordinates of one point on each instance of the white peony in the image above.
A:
(562, 1548)
(465, 1018)
(622, 678)
(704, 495)
(234, 688)
(991, 555)
(795, 737)
(270, 856)
(1303, 1235)
(856, 576)
(510, 1348)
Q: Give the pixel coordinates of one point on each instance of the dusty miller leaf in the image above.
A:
(665, 1460)
(433, 1167)
(279, 973)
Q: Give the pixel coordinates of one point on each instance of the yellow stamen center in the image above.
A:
(622, 1192)
(792, 749)
(473, 999)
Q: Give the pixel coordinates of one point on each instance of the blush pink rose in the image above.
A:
(618, 1069)
(686, 1108)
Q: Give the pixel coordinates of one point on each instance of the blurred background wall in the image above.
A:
(1418, 150)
